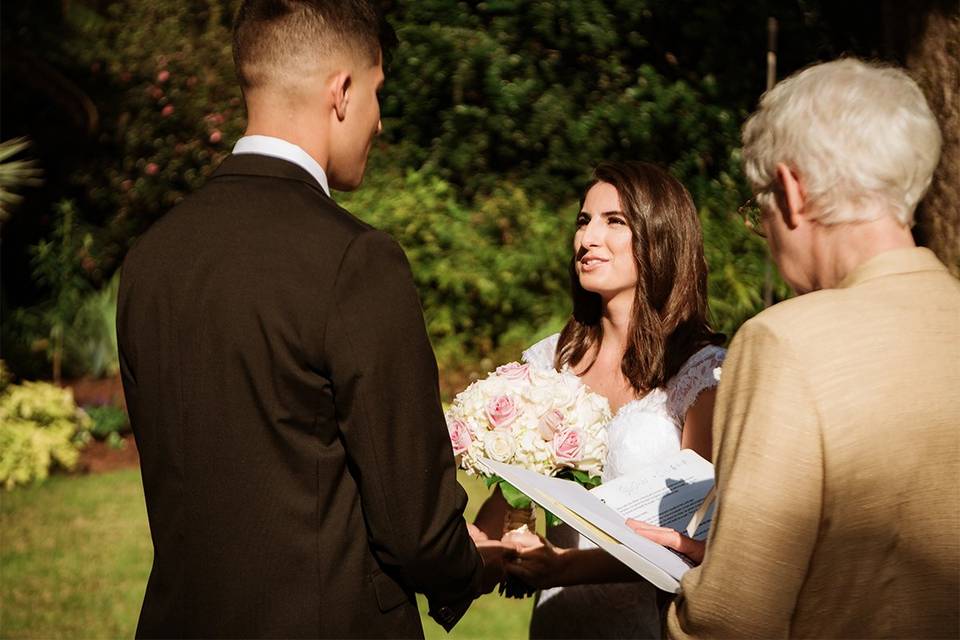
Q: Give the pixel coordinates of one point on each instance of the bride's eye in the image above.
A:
(616, 220)
(583, 219)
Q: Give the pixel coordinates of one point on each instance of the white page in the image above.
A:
(564, 497)
(666, 494)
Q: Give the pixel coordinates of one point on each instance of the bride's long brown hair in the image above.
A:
(669, 318)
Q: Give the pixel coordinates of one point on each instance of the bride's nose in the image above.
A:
(592, 234)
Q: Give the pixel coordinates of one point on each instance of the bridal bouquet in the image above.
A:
(543, 420)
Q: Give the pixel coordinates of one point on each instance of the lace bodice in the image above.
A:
(641, 432)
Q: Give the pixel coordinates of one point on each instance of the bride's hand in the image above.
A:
(535, 561)
(476, 534)
(670, 538)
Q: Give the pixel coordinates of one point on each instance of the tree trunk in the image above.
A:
(933, 58)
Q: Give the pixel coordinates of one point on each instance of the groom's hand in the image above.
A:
(476, 534)
(491, 551)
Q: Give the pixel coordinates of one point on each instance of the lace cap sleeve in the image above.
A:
(701, 371)
(542, 354)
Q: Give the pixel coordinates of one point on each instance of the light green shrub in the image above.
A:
(40, 427)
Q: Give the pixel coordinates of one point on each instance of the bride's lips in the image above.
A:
(590, 263)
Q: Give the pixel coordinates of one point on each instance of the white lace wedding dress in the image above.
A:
(641, 432)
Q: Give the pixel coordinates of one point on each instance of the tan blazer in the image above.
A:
(837, 450)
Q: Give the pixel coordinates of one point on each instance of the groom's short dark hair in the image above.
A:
(271, 37)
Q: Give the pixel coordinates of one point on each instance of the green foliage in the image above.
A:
(91, 341)
(108, 422)
(580, 477)
(15, 174)
(40, 428)
(494, 114)
(75, 326)
(514, 497)
(5, 376)
(491, 275)
(57, 266)
(541, 92)
(169, 106)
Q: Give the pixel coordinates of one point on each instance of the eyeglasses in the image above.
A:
(752, 216)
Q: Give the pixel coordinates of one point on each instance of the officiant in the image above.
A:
(837, 428)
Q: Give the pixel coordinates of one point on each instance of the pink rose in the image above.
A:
(568, 446)
(215, 136)
(501, 411)
(459, 436)
(513, 371)
(163, 76)
(152, 169)
(167, 111)
(550, 423)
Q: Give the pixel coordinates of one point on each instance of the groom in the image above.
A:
(281, 386)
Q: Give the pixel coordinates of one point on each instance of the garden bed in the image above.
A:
(100, 457)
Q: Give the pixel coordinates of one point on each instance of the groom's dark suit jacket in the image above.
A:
(283, 393)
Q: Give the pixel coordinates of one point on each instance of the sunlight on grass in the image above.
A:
(74, 557)
(75, 553)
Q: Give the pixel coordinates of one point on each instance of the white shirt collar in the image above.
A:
(279, 148)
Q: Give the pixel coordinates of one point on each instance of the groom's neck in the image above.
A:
(298, 126)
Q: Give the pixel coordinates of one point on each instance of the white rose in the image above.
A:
(499, 445)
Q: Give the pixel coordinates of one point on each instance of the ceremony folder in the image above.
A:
(668, 494)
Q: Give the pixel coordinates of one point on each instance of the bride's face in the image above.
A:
(603, 244)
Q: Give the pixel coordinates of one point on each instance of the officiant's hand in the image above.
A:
(671, 539)
(534, 560)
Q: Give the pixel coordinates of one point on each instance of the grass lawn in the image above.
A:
(75, 553)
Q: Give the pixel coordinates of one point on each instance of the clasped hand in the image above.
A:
(529, 557)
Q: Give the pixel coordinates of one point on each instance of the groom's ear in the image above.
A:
(340, 86)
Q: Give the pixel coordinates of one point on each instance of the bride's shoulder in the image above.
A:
(710, 356)
(701, 371)
(541, 354)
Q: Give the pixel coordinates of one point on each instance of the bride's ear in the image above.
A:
(340, 86)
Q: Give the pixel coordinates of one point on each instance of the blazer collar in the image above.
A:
(893, 262)
(255, 164)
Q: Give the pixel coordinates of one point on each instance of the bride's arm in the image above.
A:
(490, 517)
(698, 425)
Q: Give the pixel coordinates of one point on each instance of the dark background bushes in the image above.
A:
(493, 112)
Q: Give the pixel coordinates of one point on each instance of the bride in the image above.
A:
(638, 336)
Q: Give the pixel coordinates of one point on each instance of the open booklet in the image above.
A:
(666, 494)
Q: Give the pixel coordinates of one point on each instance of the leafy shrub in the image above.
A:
(491, 275)
(108, 422)
(494, 113)
(91, 340)
(40, 428)
(75, 328)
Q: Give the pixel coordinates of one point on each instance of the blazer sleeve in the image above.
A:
(388, 408)
(769, 476)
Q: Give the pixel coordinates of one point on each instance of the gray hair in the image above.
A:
(859, 135)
